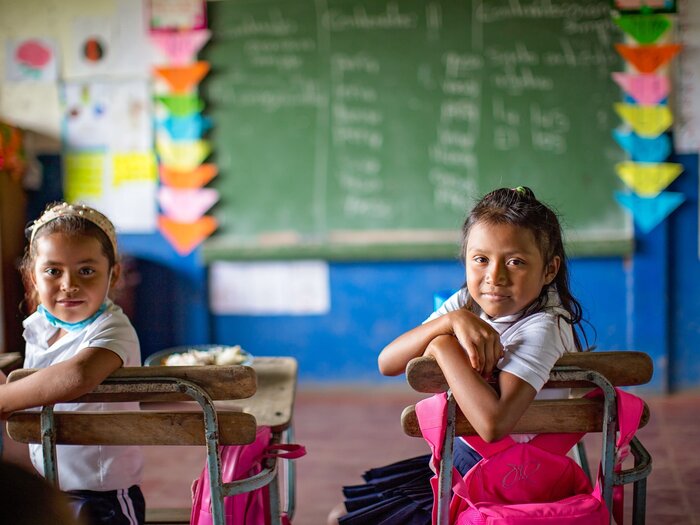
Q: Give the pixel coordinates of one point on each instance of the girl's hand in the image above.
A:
(492, 412)
(480, 341)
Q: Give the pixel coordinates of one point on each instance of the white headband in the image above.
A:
(76, 210)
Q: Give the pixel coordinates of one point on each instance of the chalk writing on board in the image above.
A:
(488, 13)
(548, 129)
(357, 115)
(359, 18)
(356, 128)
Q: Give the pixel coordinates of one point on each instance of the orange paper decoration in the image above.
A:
(186, 236)
(647, 59)
(195, 178)
(182, 79)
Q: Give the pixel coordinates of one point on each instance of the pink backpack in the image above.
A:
(240, 462)
(524, 483)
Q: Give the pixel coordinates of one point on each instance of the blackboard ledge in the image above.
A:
(375, 246)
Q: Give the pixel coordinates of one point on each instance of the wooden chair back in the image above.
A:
(582, 370)
(174, 427)
(229, 404)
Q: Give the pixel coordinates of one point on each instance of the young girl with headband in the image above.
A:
(515, 315)
(76, 337)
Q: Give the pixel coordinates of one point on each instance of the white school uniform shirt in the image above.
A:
(81, 467)
(531, 345)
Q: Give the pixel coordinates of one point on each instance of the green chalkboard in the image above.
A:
(367, 128)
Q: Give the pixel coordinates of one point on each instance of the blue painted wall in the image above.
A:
(684, 283)
(648, 302)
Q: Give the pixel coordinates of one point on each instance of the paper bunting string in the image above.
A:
(643, 149)
(180, 47)
(645, 29)
(644, 89)
(647, 59)
(191, 127)
(649, 212)
(648, 179)
(185, 237)
(186, 205)
(196, 178)
(183, 79)
(183, 156)
(646, 121)
(182, 105)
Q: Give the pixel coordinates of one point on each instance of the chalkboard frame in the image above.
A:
(222, 249)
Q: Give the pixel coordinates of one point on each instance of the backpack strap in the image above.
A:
(284, 451)
(432, 419)
(629, 413)
(557, 443)
(486, 449)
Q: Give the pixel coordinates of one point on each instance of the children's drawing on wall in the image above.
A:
(86, 115)
(109, 46)
(33, 60)
(109, 143)
(106, 108)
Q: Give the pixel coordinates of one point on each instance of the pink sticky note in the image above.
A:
(645, 89)
(181, 47)
(186, 205)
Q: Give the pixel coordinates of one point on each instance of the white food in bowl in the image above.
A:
(222, 355)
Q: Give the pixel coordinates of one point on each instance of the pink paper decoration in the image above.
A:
(186, 205)
(182, 47)
(644, 89)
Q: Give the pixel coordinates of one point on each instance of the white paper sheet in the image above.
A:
(269, 288)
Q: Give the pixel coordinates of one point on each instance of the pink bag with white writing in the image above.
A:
(240, 462)
(524, 483)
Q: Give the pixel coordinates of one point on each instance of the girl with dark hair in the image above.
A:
(76, 336)
(515, 316)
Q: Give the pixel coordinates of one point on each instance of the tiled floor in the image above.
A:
(347, 431)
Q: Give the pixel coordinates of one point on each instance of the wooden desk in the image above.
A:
(273, 401)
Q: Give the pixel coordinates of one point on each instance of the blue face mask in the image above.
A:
(70, 327)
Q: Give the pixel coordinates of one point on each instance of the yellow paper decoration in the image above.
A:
(646, 121)
(648, 179)
(183, 155)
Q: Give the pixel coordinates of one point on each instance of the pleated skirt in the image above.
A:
(399, 493)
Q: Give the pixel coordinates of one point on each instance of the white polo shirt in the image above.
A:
(88, 467)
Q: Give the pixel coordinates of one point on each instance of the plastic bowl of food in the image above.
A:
(194, 355)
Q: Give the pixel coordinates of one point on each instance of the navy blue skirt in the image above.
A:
(399, 493)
